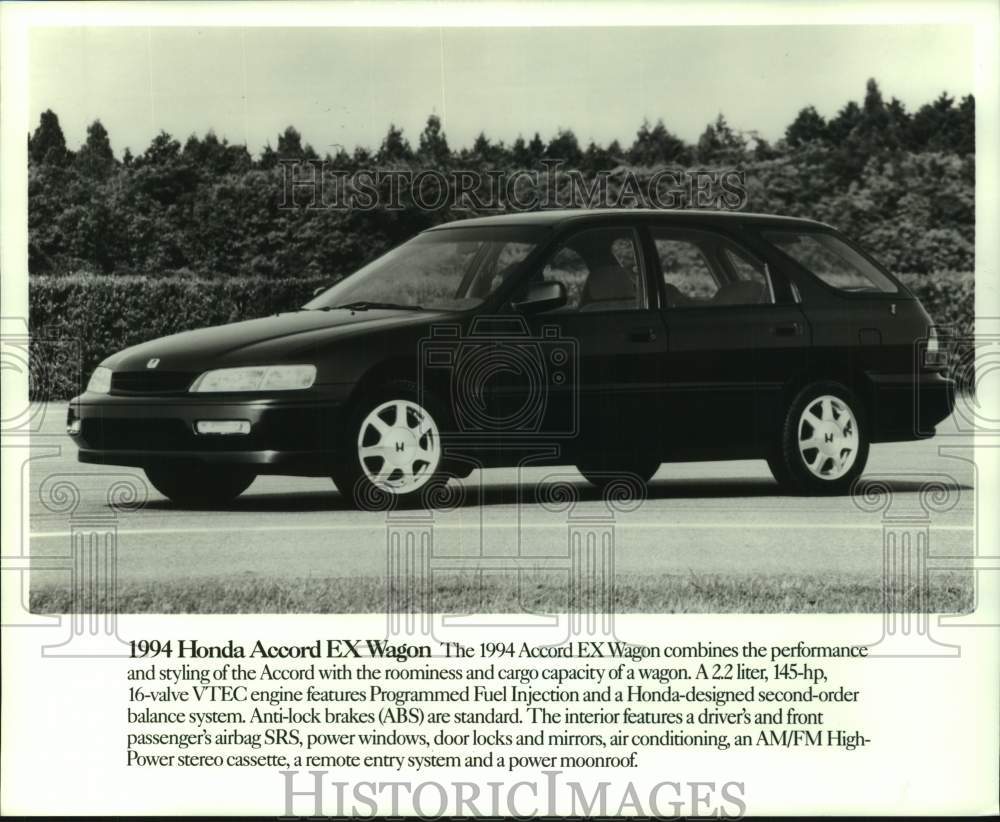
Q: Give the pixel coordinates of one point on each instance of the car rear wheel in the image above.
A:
(201, 486)
(393, 448)
(823, 445)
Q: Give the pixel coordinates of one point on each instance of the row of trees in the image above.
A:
(901, 182)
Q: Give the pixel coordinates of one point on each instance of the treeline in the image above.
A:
(901, 182)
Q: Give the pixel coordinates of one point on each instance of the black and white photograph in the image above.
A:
(307, 290)
(425, 336)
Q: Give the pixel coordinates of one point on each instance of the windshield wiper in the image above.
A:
(365, 305)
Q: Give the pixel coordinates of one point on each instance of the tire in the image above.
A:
(393, 453)
(778, 470)
(201, 486)
(823, 444)
(602, 476)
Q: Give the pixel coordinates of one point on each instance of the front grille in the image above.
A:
(151, 382)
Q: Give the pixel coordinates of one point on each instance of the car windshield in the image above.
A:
(831, 260)
(448, 269)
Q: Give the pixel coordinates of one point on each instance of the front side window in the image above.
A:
(447, 269)
(601, 270)
(830, 259)
(702, 269)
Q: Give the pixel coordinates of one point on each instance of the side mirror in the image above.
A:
(540, 297)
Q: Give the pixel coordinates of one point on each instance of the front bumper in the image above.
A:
(288, 435)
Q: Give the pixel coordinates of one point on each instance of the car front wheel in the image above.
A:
(201, 487)
(823, 444)
(393, 448)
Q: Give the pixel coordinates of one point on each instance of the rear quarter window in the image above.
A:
(831, 260)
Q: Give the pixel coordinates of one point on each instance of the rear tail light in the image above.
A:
(935, 355)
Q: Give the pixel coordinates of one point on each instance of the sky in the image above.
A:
(343, 87)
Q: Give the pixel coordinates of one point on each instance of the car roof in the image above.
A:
(557, 217)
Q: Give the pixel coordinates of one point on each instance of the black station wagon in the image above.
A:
(610, 340)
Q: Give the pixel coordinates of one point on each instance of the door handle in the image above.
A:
(642, 335)
(787, 330)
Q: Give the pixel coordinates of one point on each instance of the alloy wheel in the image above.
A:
(828, 437)
(399, 446)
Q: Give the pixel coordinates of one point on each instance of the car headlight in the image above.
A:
(256, 378)
(100, 380)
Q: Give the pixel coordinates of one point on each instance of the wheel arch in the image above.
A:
(786, 460)
(385, 371)
(395, 369)
(856, 380)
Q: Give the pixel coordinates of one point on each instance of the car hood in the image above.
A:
(268, 339)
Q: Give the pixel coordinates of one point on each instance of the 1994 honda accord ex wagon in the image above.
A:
(609, 340)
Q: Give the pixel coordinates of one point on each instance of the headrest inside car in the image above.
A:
(610, 282)
(741, 293)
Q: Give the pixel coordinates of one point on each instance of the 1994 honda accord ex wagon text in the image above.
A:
(609, 340)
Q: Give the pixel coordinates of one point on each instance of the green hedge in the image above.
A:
(948, 296)
(78, 321)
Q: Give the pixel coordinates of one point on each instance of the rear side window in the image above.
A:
(832, 260)
(702, 269)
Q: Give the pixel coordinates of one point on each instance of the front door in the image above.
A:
(615, 335)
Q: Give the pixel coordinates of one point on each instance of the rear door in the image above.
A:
(731, 346)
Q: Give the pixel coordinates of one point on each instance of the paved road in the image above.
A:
(700, 517)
